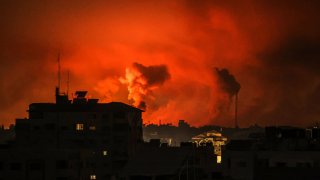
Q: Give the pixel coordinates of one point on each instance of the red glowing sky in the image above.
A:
(272, 48)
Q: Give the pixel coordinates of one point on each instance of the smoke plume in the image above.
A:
(141, 80)
(227, 82)
(272, 47)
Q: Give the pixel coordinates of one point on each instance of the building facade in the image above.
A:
(284, 153)
(72, 139)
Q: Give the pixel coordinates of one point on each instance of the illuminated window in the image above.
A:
(218, 159)
(105, 152)
(79, 127)
(92, 128)
(93, 176)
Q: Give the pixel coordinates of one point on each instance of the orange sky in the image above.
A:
(271, 48)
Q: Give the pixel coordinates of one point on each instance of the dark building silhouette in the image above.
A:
(174, 135)
(72, 139)
(81, 139)
(158, 161)
(284, 153)
(6, 134)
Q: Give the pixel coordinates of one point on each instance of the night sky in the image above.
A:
(178, 59)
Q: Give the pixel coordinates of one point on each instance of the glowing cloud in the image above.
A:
(141, 80)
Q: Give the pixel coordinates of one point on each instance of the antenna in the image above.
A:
(68, 82)
(236, 112)
(59, 72)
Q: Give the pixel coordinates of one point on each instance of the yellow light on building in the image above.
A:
(105, 152)
(218, 159)
(79, 127)
(92, 128)
(93, 177)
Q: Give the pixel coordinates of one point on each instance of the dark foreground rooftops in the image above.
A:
(95, 107)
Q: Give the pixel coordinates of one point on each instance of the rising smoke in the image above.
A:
(227, 82)
(271, 46)
(142, 80)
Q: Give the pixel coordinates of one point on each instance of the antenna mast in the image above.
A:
(68, 82)
(59, 72)
(236, 112)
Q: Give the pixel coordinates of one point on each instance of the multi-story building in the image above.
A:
(212, 137)
(72, 139)
(156, 161)
(285, 153)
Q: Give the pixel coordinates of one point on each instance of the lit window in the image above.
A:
(93, 176)
(79, 127)
(92, 128)
(218, 159)
(105, 153)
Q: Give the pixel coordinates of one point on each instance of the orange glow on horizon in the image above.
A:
(101, 41)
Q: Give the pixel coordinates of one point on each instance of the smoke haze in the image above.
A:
(172, 48)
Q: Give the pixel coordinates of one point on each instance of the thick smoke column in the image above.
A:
(227, 82)
(141, 80)
(229, 85)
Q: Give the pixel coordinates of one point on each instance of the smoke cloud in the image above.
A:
(227, 82)
(271, 47)
(141, 80)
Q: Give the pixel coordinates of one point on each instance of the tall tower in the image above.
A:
(236, 112)
(59, 73)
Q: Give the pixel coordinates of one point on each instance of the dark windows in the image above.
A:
(119, 115)
(62, 178)
(22, 127)
(105, 128)
(64, 128)
(92, 116)
(15, 166)
(121, 127)
(35, 166)
(303, 165)
(281, 164)
(36, 128)
(263, 163)
(50, 126)
(1, 166)
(35, 115)
(61, 164)
(241, 164)
(105, 141)
(105, 116)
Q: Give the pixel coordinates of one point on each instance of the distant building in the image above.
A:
(6, 134)
(72, 139)
(285, 153)
(183, 124)
(165, 163)
(213, 138)
(173, 135)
